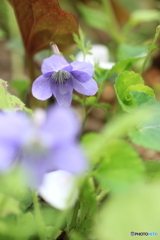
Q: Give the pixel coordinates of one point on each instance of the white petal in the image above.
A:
(59, 189)
(99, 52)
(106, 65)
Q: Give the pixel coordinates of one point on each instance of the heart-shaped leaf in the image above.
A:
(43, 21)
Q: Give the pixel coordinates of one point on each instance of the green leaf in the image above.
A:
(75, 236)
(102, 105)
(100, 74)
(13, 187)
(147, 131)
(94, 18)
(136, 210)
(127, 51)
(120, 167)
(26, 225)
(142, 99)
(22, 227)
(117, 128)
(141, 16)
(87, 140)
(72, 58)
(121, 67)
(14, 102)
(49, 231)
(50, 214)
(3, 98)
(8, 205)
(77, 98)
(144, 15)
(128, 82)
(152, 169)
(91, 101)
(88, 207)
(140, 88)
(7, 100)
(83, 44)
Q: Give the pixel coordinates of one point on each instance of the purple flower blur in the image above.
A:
(60, 78)
(46, 143)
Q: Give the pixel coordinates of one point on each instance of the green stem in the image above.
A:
(82, 39)
(98, 97)
(84, 120)
(38, 217)
(102, 195)
(74, 216)
(87, 112)
(150, 49)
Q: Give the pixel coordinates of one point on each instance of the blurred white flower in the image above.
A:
(100, 55)
(59, 189)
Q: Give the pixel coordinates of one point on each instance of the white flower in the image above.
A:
(59, 189)
(100, 55)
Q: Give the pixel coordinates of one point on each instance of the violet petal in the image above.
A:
(67, 68)
(64, 100)
(88, 88)
(83, 66)
(68, 157)
(65, 87)
(41, 88)
(53, 63)
(12, 125)
(63, 122)
(80, 76)
(34, 169)
(8, 153)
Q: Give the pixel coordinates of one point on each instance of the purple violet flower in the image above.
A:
(46, 143)
(60, 78)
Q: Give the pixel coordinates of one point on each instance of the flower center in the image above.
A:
(35, 146)
(60, 76)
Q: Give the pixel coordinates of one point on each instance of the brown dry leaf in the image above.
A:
(121, 13)
(43, 21)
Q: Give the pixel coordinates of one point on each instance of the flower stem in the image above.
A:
(74, 216)
(101, 196)
(150, 49)
(38, 217)
(87, 112)
(55, 48)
